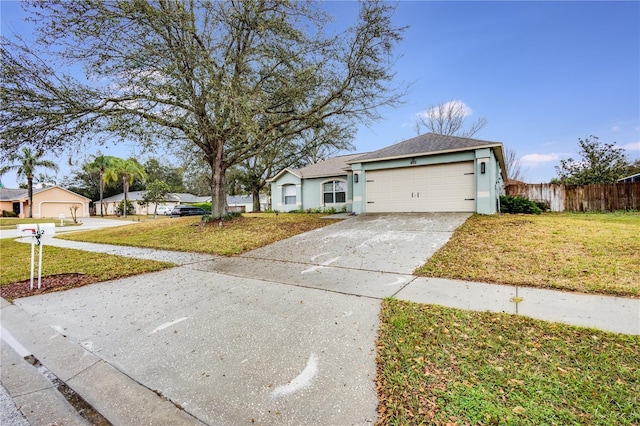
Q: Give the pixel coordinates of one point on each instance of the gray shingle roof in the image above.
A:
(426, 144)
(9, 194)
(330, 167)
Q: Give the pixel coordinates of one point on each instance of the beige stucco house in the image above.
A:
(47, 202)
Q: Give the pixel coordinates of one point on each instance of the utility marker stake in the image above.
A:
(32, 261)
(37, 231)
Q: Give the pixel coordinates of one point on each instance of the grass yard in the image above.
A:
(445, 366)
(591, 253)
(12, 222)
(242, 234)
(15, 258)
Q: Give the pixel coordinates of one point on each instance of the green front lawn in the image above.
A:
(16, 256)
(445, 366)
(594, 253)
(242, 234)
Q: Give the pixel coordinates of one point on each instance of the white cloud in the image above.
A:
(615, 128)
(534, 160)
(453, 105)
(632, 146)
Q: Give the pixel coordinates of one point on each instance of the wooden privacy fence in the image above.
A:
(580, 198)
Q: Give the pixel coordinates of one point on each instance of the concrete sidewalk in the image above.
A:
(281, 335)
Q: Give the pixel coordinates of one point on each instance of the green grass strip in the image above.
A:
(439, 365)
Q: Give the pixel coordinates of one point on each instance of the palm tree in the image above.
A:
(25, 164)
(130, 170)
(101, 164)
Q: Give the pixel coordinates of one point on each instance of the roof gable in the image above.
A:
(426, 144)
(8, 194)
(283, 172)
(330, 167)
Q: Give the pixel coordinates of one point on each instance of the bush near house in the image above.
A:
(204, 206)
(120, 210)
(518, 204)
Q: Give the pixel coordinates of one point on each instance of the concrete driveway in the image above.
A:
(280, 335)
(368, 255)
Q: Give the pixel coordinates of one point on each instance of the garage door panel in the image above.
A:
(435, 188)
(54, 209)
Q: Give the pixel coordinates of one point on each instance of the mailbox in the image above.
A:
(31, 229)
(36, 231)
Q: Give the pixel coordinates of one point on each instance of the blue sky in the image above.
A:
(543, 73)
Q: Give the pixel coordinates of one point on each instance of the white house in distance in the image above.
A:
(428, 173)
(135, 198)
(240, 203)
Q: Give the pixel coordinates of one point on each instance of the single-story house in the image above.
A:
(48, 202)
(428, 173)
(172, 199)
(242, 203)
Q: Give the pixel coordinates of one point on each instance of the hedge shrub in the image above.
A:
(518, 204)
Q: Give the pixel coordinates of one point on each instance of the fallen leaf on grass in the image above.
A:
(519, 410)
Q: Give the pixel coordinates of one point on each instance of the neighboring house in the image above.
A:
(47, 202)
(240, 203)
(235, 203)
(428, 173)
(135, 198)
(632, 178)
(244, 203)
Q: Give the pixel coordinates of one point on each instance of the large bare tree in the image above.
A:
(448, 118)
(513, 165)
(231, 78)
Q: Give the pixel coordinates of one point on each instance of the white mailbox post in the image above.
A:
(36, 231)
(61, 217)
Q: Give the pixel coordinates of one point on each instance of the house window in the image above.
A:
(334, 192)
(289, 194)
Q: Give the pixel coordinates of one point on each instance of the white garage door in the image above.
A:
(53, 209)
(436, 188)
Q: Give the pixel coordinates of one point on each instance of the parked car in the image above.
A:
(164, 210)
(187, 211)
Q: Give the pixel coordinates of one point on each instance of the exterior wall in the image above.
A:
(489, 183)
(313, 194)
(56, 201)
(309, 193)
(360, 169)
(110, 207)
(6, 206)
(277, 199)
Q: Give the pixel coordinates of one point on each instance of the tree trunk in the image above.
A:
(255, 193)
(218, 187)
(101, 193)
(30, 187)
(125, 186)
